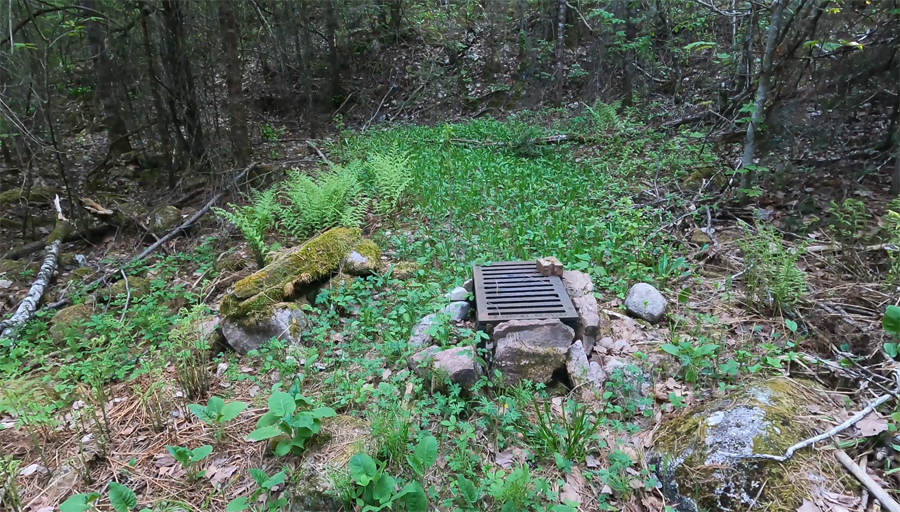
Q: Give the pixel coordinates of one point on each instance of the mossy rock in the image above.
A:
(81, 273)
(39, 195)
(290, 272)
(67, 261)
(69, 321)
(8, 223)
(231, 263)
(694, 454)
(165, 219)
(12, 269)
(403, 270)
(363, 259)
(284, 321)
(138, 286)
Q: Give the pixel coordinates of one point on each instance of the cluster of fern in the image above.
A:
(773, 279)
(303, 205)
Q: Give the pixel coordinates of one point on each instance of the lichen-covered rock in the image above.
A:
(363, 259)
(577, 283)
(232, 263)
(37, 195)
(289, 272)
(137, 286)
(13, 269)
(327, 454)
(645, 301)
(419, 337)
(404, 270)
(531, 349)
(456, 310)
(458, 364)
(694, 453)
(68, 321)
(165, 219)
(283, 321)
(457, 294)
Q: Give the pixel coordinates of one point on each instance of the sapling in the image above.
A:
(189, 458)
(217, 413)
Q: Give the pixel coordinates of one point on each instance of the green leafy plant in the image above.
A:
(891, 325)
(771, 274)
(121, 498)
(254, 220)
(695, 359)
(189, 348)
(423, 456)
(390, 176)
(189, 458)
(9, 491)
(265, 484)
(291, 429)
(375, 489)
(568, 436)
(334, 198)
(217, 413)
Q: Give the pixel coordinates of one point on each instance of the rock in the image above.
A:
(138, 286)
(469, 285)
(692, 451)
(289, 273)
(363, 259)
(5, 284)
(69, 322)
(581, 372)
(457, 294)
(420, 337)
(285, 321)
(164, 219)
(459, 365)
(419, 362)
(404, 270)
(62, 482)
(456, 310)
(645, 301)
(550, 266)
(589, 320)
(531, 349)
(13, 269)
(231, 263)
(577, 283)
(328, 454)
(35, 196)
(208, 328)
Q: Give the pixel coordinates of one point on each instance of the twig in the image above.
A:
(864, 497)
(825, 435)
(127, 295)
(876, 490)
(366, 127)
(319, 152)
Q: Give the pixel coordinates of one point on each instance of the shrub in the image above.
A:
(390, 176)
(335, 198)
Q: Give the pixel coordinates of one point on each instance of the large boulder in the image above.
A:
(700, 456)
(420, 361)
(289, 273)
(137, 287)
(363, 259)
(645, 301)
(70, 321)
(283, 321)
(531, 349)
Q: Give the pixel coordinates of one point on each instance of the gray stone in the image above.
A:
(589, 320)
(581, 372)
(457, 294)
(419, 362)
(698, 454)
(577, 283)
(459, 365)
(420, 338)
(645, 301)
(165, 219)
(456, 310)
(531, 349)
(285, 322)
(469, 285)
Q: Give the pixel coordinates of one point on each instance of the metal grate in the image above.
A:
(515, 290)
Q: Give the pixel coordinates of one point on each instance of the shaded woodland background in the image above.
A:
(151, 97)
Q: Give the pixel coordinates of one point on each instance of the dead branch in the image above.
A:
(319, 152)
(836, 247)
(29, 249)
(29, 304)
(877, 492)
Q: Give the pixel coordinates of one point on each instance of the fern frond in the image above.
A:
(334, 198)
(390, 176)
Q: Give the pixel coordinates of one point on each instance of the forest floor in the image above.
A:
(621, 202)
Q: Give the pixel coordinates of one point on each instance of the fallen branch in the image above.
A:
(319, 152)
(29, 249)
(825, 435)
(877, 492)
(840, 247)
(29, 304)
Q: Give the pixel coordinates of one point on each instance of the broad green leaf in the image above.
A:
(670, 349)
(791, 325)
(231, 411)
(467, 489)
(180, 453)
(384, 489)
(259, 476)
(283, 447)
(237, 504)
(265, 433)
(77, 503)
(362, 469)
(269, 418)
(122, 498)
(426, 451)
(415, 464)
(282, 404)
(201, 413)
(214, 406)
(414, 496)
(891, 321)
(277, 479)
(198, 454)
(705, 350)
(323, 412)
(892, 349)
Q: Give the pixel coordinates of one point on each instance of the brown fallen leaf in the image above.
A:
(872, 425)
(808, 506)
(569, 494)
(222, 475)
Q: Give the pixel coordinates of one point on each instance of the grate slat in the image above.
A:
(511, 290)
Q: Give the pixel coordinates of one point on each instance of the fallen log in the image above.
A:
(29, 249)
(26, 309)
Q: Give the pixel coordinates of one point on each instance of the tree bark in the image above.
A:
(560, 48)
(762, 92)
(162, 128)
(895, 180)
(240, 140)
(334, 58)
(628, 56)
(104, 69)
(182, 77)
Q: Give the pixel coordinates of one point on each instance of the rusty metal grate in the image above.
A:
(515, 290)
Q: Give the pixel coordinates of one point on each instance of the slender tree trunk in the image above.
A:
(396, 18)
(183, 77)
(895, 180)
(240, 140)
(104, 69)
(560, 48)
(762, 92)
(307, 57)
(334, 58)
(628, 55)
(162, 126)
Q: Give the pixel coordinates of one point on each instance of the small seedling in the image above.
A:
(291, 430)
(189, 458)
(121, 498)
(217, 413)
(265, 484)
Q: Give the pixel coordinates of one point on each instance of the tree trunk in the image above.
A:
(182, 77)
(895, 180)
(308, 54)
(762, 92)
(162, 127)
(396, 18)
(560, 48)
(240, 140)
(106, 74)
(334, 59)
(628, 56)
